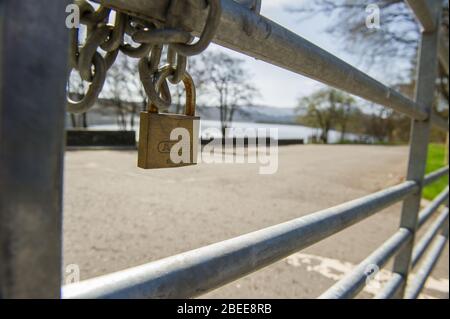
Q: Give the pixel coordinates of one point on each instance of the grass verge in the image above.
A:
(436, 160)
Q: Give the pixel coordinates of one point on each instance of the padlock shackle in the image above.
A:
(188, 83)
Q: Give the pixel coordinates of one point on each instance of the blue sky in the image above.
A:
(283, 88)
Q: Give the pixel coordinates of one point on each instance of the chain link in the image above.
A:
(94, 88)
(135, 52)
(148, 69)
(90, 64)
(86, 57)
(151, 39)
(116, 34)
(178, 62)
(212, 23)
(188, 83)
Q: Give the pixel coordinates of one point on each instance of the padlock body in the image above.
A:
(157, 148)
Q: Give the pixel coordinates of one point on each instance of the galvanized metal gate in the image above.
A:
(33, 69)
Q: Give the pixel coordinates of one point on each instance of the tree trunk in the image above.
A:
(124, 120)
(223, 119)
(343, 132)
(133, 113)
(84, 119)
(324, 136)
(224, 129)
(73, 120)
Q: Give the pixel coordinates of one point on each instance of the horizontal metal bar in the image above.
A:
(439, 122)
(354, 282)
(391, 288)
(198, 271)
(428, 211)
(429, 262)
(434, 176)
(428, 237)
(244, 31)
(423, 13)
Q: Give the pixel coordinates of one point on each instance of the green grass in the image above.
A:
(436, 160)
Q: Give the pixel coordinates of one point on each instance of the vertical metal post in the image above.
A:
(33, 70)
(425, 87)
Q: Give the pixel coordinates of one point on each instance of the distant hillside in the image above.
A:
(262, 114)
(105, 113)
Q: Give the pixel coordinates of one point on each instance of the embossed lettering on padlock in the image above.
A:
(169, 140)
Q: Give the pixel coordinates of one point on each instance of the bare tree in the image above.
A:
(227, 82)
(124, 89)
(327, 109)
(396, 40)
(344, 114)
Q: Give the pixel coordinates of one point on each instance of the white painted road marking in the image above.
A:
(335, 269)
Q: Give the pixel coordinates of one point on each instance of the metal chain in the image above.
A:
(90, 64)
(135, 52)
(93, 67)
(212, 23)
(179, 48)
(95, 87)
(148, 68)
(178, 62)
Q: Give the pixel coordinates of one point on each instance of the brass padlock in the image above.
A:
(169, 140)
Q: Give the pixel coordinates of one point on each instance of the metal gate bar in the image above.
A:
(33, 71)
(422, 11)
(431, 178)
(424, 243)
(425, 88)
(428, 211)
(429, 262)
(354, 281)
(391, 288)
(198, 271)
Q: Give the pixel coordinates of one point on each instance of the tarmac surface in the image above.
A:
(118, 216)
